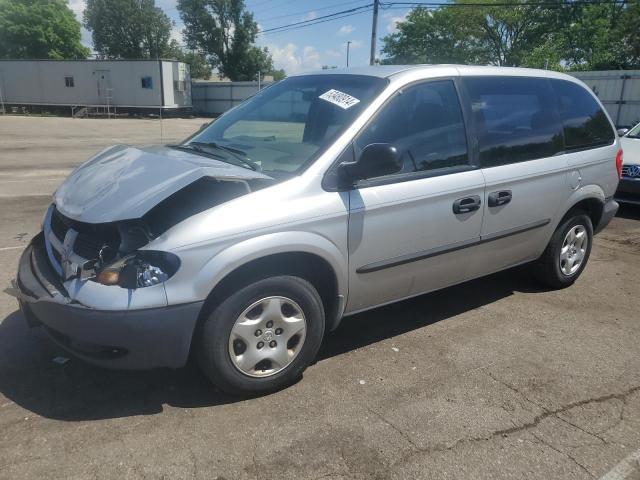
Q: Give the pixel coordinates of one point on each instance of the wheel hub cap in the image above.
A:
(267, 336)
(573, 251)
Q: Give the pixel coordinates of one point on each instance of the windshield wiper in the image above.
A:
(237, 154)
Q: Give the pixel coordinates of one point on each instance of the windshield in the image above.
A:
(283, 128)
(634, 132)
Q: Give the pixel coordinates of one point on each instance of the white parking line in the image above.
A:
(625, 468)
(2, 249)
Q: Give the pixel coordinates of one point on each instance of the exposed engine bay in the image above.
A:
(109, 252)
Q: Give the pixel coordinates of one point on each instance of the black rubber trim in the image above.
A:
(452, 247)
(515, 231)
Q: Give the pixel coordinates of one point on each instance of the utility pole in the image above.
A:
(374, 32)
(259, 77)
(348, 43)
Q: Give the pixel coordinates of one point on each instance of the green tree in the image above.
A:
(435, 36)
(277, 75)
(225, 32)
(631, 34)
(592, 37)
(39, 29)
(128, 28)
(499, 35)
(557, 35)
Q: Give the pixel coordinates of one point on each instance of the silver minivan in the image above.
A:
(323, 195)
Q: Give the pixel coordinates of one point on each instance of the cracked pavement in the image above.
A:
(492, 379)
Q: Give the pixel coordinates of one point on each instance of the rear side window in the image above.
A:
(585, 123)
(515, 119)
(424, 122)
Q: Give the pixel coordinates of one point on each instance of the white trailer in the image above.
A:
(132, 85)
(618, 90)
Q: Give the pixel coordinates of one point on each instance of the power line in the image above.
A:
(328, 7)
(285, 28)
(319, 19)
(398, 5)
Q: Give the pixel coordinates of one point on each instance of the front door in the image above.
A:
(404, 236)
(103, 84)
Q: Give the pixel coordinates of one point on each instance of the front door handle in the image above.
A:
(466, 204)
(499, 198)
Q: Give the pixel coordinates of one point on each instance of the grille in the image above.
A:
(87, 240)
(58, 225)
(631, 171)
(87, 246)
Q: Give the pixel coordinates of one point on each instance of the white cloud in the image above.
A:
(333, 53)
(312, 15)
(77, 7)
(392, 21)
(292, 60)
(346, 30)
(176, 34)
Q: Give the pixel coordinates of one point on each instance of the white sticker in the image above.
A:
(341, 99)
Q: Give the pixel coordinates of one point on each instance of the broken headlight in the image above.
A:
(143, 268)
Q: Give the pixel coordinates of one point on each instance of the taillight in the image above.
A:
(619, 163)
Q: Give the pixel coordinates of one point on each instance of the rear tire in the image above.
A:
(261, 338)
(567, 254)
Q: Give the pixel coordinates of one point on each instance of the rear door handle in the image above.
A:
(466, 204)
(499, 198)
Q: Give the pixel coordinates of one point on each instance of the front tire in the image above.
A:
(567, 254)
(261, 338)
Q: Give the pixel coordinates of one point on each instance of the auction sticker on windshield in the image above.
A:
(341, 99)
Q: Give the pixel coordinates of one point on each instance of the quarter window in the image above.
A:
(515, 118)
(585, 123)
(425, 124)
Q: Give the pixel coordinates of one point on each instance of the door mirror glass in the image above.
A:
(622, 131)
(376, 160)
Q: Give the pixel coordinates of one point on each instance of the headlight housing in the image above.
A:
(140, 269)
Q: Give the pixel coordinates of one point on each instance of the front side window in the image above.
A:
(424, 122)
(283, 127)
(515, 118)
(585, 123)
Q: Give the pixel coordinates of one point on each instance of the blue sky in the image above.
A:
(307, 48)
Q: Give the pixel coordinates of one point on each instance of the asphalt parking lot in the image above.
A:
(495, 378)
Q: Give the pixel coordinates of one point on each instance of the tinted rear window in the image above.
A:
(585, 123)
(515, 117)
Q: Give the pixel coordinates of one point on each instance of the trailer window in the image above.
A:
(68, 82)
(147, 82)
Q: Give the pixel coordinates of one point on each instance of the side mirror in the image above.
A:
(376, 160)
(622, 131)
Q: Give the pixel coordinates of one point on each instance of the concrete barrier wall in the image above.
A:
(214, 98)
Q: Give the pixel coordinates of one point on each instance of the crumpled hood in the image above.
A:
(123, 182)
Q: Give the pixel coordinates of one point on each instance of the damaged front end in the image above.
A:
(110, 253)
(145, 191)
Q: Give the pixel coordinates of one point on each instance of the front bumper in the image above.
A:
(628, 190)
(142, 338)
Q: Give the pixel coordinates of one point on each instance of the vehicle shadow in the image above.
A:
(629, 211)
(31, 377)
